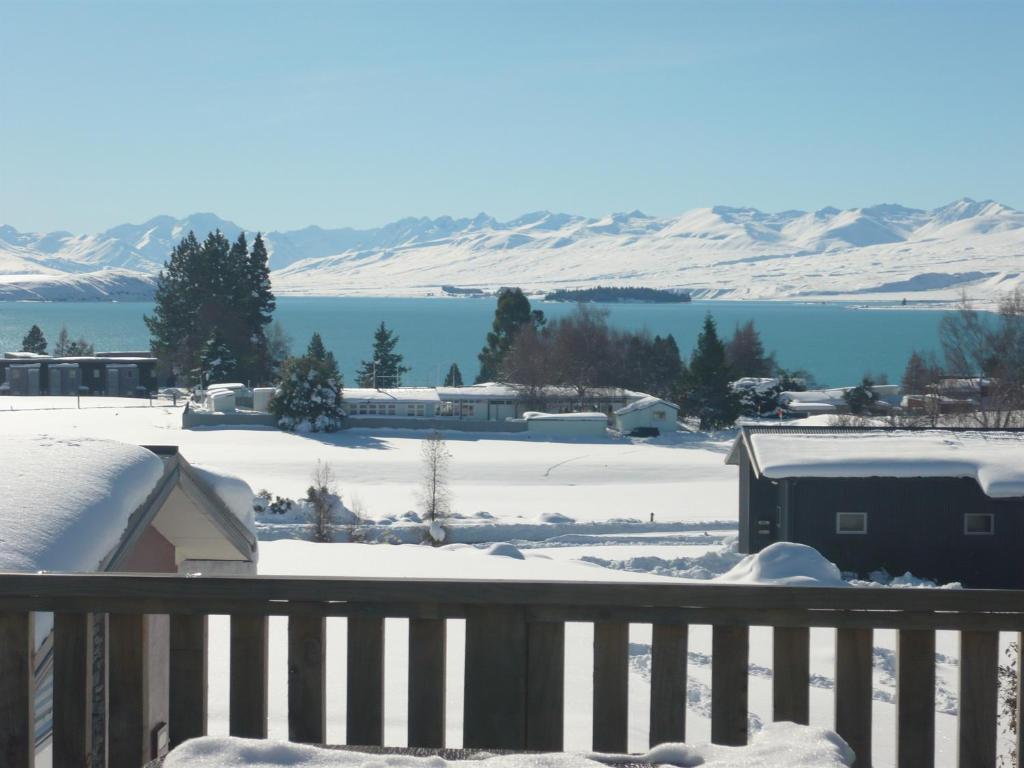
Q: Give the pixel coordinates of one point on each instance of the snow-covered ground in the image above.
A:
(571, 510)
(779, 745)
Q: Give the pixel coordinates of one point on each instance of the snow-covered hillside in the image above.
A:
(880, 252)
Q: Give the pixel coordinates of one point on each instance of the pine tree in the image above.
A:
(213, 285)
(260, 308)
(921, 372)
(385, 368)
(862, 398)
(705, 392)
(310, 395)
(665, 367)
(216, 360)
(34, 341)
(454, 377)
(512, 313)
(745, 353)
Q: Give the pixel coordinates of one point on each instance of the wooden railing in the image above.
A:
(514, 658)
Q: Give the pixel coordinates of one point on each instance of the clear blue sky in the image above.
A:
(277, 115)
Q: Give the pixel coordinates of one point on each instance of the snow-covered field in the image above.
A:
(512, 489)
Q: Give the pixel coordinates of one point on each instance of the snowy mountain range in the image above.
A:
(881, 252)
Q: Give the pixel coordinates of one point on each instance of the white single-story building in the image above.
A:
(647, 413)
(88, 505)
(570, 425)
(491, 401)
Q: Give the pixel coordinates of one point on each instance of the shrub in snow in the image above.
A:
(322, 498)
(309, 398)
(436, 532)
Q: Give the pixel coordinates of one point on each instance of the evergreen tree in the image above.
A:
(217, 362)
(385, 368)
(512, 313)
(745, 353)
(174, 324)
(666, 367)
(260, 305)
(862, 398)
(454, 377)
(705, 392)
(921, 372)
(213, 285)
(34, 341)
(310, 396)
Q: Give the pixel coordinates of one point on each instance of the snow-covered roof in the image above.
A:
(484, 391)
(643, 403)
(994, 458)
(393, 395)
(76, 504)
(65, 502)
(586, 416)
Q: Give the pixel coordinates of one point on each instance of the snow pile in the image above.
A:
(778, 745)
(503, 549)
(233, 491)
(65, 502)
(994, 459)
(882, 578)
(786, 563)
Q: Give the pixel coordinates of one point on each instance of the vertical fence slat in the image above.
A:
(611, 686)
(979, 696)
(1020, 698)
(494, 704)
(307, 669)
(365, 703)
(729, 682)
(17, 748)
(545, 686)
(915, 699)
(668, 683)
(428, 647)
(247, 707)
(72, 688)
(854, 660)
(791, 671)
(127, 742)
(189, 677)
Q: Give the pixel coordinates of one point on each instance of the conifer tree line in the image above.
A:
(214, 302)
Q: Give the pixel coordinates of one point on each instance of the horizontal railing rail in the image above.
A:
(514, 658)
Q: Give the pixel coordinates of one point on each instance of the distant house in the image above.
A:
(85, 505)
(943, 504)
(648, 415)
(116, 374)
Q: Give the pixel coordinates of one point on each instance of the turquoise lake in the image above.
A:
(836, 343)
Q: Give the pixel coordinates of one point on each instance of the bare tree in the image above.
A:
(582, 346)
(322, 496)
(528, 365)
(986, 355)
(435, 494)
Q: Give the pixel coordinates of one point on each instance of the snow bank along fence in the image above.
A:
(514, 658)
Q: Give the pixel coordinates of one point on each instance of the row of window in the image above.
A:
(975, 523)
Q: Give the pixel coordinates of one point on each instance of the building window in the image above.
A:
(659, 415)
(979, 524)
(416, 409)
(851, 522)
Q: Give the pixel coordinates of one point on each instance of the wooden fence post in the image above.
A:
(17, 737)
(494, 713)
(730, 647)
(189, 677)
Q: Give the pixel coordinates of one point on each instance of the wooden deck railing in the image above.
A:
(514, 658)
